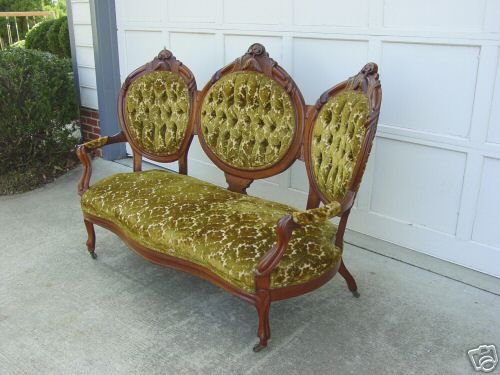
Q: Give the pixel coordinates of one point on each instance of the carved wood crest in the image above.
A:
(164, 61)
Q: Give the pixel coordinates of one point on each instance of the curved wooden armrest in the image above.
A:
(83, 155)
(289, 222)
(284, 230)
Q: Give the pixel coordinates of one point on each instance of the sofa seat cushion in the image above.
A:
(225, 232)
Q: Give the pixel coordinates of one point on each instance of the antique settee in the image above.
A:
(252, 122)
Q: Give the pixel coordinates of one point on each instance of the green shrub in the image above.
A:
(63, 37)
(37, 102)
(37, 36)
(51, 36)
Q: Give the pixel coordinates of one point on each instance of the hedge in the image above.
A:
(38, 109)
(51, 36)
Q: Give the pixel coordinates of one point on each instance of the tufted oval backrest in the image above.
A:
(251, 117)
(156, 106)
(341, 134)
(248, 120)
(336, 141)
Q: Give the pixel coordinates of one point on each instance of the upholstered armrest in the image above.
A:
(96, 143)
(288, 223)
(82, 153)
(317, 215)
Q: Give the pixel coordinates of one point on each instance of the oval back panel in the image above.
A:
(340, 134)
(248, 120)
(156, 106)
(251, 117)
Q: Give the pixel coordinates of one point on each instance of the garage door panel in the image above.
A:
(418, 184)
(487, 222)
(141, 46)
(429, 87)
(236, 45)
(198, 11)
(492, 15)
(456, 15)
(494, 123)
(253, 12)
(188, 47)
(147, 12)
(318, 64)
(352, 13)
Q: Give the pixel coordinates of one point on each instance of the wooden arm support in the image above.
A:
(284, 230)
(82, 152)
(270, 260)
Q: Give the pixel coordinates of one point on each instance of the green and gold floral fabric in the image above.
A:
(336, 142)
(248, 120)
(226, 232)
(157, 112)
(96, 143)
(317, 215)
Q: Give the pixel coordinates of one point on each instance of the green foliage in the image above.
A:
(37, 102)
(20, 44)
(37, 37)
(21, 6)
(63, 37)
(58, 7)
(51, 36)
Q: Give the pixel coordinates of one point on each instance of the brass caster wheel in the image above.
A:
(93, 254)
(258, 347)
(356, 294)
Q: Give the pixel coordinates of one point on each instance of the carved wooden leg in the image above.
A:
(351, 283)
(264, 332)
(90, 238)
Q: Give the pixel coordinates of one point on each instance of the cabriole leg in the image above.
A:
(90, 238)
(351, 283)
(264, 332)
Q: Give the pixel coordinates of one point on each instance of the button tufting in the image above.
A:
(152, 103)
(261, 111)
(337, 136)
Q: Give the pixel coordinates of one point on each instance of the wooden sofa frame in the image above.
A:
(256, 59)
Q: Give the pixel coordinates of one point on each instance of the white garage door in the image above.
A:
(433, 181)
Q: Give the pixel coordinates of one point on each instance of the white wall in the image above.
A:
(82, 27)
(433, 179)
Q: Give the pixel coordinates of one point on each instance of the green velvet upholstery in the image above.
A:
(157, 112)
(248, 120)
(226, 232)
(337, 138)
(317, 215)
(96, 143)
